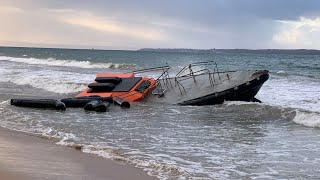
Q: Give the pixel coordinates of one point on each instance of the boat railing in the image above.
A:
(189, 71)
(163, 76)
(162, 81)
(140, 71)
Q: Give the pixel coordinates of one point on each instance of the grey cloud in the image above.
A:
(226, 23)
(206, 10)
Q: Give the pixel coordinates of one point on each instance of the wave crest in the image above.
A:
(237, 103)
(67, 63)
(56, 85)
(310, 119)
(153, 167)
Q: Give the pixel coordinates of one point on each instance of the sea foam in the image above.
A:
(66, 63)
(310, 119)
(50, 80)
(291, 92)
(153, 167)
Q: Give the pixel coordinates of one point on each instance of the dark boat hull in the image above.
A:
(243, 92)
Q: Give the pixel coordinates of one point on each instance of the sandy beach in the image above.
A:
(24, 156)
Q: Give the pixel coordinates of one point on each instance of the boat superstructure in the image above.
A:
(196, 85)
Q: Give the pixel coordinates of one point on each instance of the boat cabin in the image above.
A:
(125, 86)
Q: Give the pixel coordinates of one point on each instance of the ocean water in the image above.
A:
(276, 139)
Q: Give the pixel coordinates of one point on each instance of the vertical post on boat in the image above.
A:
(216, 66)
(191, 73)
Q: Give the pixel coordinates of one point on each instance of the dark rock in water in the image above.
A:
(97, 106)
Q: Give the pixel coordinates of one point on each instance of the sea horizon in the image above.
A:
(165, 49)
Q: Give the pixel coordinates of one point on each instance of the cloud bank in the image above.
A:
(129, 24)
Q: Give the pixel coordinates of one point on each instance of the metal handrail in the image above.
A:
(164, 78)
(192, 73)
(165, 73)
(194, 65)
(149, 69)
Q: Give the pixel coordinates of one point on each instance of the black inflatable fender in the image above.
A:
(39, 103)
(97, 106)
(80, 102)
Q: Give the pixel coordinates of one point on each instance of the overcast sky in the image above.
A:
(129, 24)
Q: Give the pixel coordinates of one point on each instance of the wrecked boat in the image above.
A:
(194, 84)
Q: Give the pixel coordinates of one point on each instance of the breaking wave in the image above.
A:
(52, 81)
(309, 119)
(67, 63)
(299, 116)
(153, 167)
(237, 103)
(281, 73)
(291, 92)
(58, 87)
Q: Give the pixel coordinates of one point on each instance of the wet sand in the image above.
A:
(23, 156)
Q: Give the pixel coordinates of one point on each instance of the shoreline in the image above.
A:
(24, 156)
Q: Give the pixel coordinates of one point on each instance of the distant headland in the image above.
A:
(262, 51)
(176, 50)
